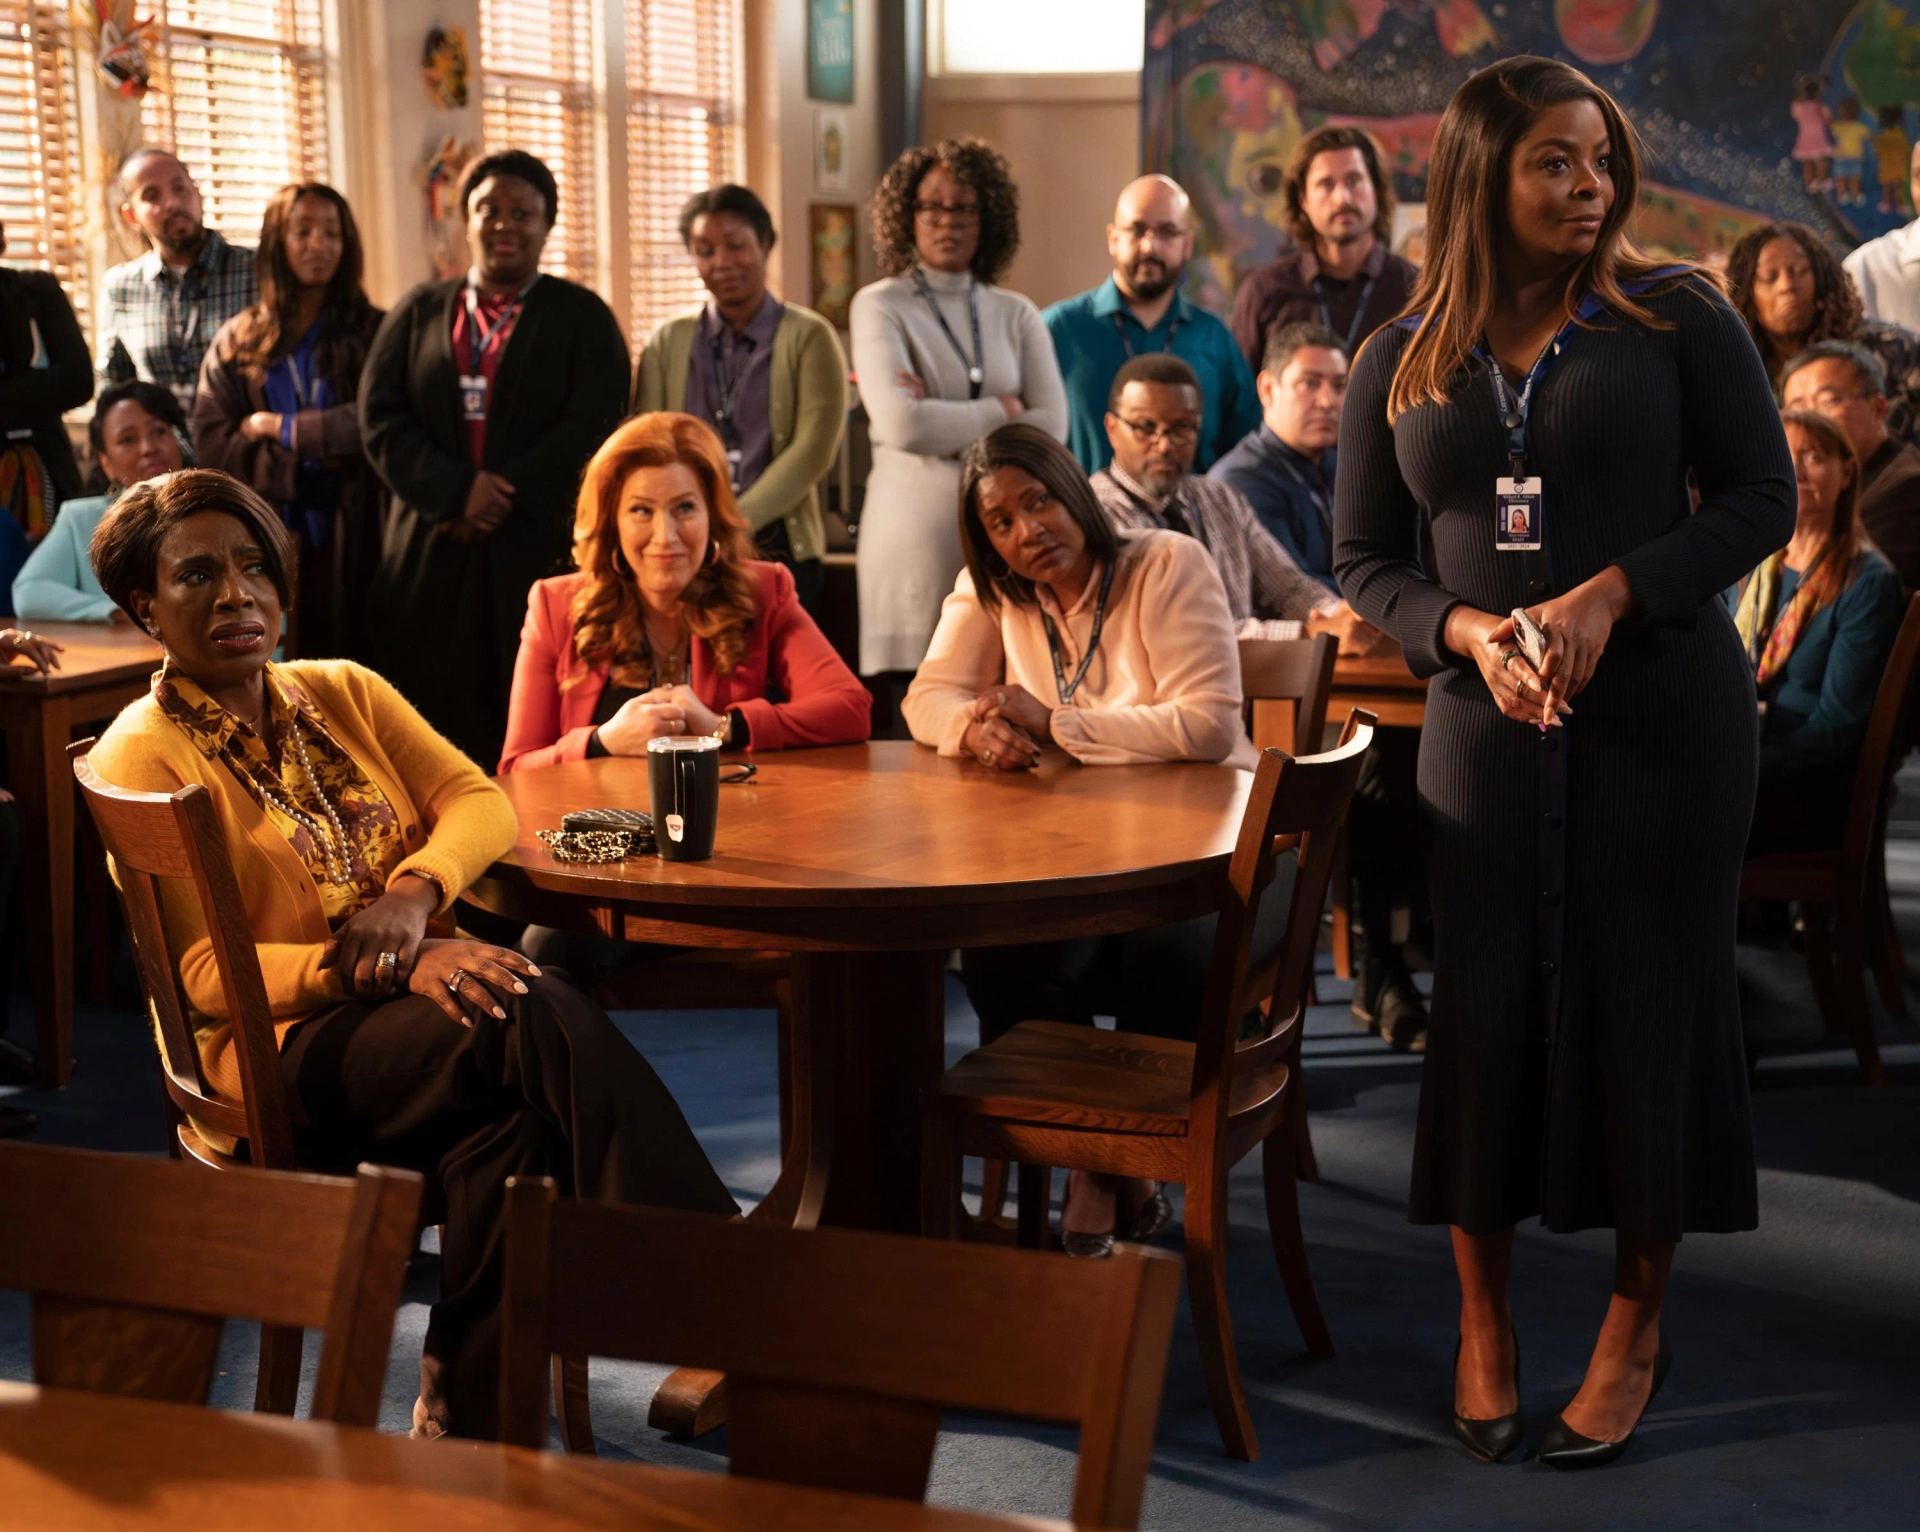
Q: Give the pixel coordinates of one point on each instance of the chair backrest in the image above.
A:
(1274, 671)
(134, 1265)
(1299, 802)
(152, 836)
(840, 1348)
(1889, 728)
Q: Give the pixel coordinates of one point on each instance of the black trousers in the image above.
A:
(1149, 981)
(554, 1090)
(1386, 850)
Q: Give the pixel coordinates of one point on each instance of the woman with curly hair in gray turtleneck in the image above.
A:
(943, 356)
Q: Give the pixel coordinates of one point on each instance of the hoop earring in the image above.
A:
(713, 554)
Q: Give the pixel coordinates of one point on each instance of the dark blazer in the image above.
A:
(331, 616)
(1258, 466)
(444, 616)
(34, 398)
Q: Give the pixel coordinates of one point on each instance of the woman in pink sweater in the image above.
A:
(1128, 638)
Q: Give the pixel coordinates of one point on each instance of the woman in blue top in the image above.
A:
(137, 433)
(277, 408)
(1818, 619)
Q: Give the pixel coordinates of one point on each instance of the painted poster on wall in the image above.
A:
(832, 227)
(830, 50)
(1800, 109)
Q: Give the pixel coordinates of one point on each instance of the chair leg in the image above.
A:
(1849, 982)
(1212, 1319)
(940, 1208)
(993, 1189)
(570, 1405)
(1036, 1206)
(1306, 1165)
(1884, 953)
(278, 1387)
(1818, 941)
(1342, 885)
(1289, 1244)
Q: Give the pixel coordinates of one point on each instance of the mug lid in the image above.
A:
(667, 742)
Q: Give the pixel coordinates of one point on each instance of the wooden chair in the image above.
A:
(135, 1264)
(1838, 890)
(152, 836)
(1048, 1094)
(841, 1348)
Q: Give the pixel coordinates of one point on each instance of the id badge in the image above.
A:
(473, 395)
(1516, 508)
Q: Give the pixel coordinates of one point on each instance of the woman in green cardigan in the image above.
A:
(769, 377)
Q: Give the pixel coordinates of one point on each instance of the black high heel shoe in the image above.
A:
(1564, 1447)
(1490, 1440)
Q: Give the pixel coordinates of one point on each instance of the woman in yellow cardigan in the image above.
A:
(353, 826)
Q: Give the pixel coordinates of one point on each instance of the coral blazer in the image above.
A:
(550, 721)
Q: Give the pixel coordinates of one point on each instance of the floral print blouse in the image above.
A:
(276, 777)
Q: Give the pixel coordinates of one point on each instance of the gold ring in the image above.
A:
(385, 965)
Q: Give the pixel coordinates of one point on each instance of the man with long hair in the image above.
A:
(1339, 270)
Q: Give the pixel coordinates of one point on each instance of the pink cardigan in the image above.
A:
(549, 722)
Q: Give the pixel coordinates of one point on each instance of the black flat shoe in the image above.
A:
(1490, 1440)
(1086, 1247)
(1564, 1447)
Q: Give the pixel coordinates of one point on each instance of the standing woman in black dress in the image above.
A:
(1587, 815)
(482, 401)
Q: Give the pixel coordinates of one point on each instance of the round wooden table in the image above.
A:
(869, 863)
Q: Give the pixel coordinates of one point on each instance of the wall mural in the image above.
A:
(1799, 109)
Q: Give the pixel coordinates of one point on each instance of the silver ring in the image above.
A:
(987, 757)
(455, 979)
(1507, 657)
(386, 965)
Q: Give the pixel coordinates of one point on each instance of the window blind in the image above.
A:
(241, 100)
(536, 94)
(683, 135)
(40, 191)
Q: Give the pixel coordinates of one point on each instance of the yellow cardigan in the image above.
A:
(455, 821)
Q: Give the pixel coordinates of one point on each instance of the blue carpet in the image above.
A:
(1792, 1401)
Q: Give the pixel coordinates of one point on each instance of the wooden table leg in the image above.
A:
(869, 1035)
(37, 730)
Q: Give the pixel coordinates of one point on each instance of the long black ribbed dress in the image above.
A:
(1585, 1060)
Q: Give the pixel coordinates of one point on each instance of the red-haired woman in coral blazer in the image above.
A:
(670, 626)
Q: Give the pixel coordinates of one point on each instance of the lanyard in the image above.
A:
(975, 376)
(1319, 500)
(1061, 684)
(484, 335)
(304, 387)
(727, 386)
(1359, 313)
(1126, 341)
(1514, 411)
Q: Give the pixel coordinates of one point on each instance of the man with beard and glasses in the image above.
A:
(1153, 423)
(163, 308)
(1140, 310)
(1339, 272)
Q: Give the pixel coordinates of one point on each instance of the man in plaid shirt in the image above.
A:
(162, 309)
(1153, 421)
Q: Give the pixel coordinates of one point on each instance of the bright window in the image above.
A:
(241, 98)
(1022, 37)
(536, 94)
(40, 194)
(683, 135)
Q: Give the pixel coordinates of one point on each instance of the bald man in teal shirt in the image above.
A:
(1140, 308)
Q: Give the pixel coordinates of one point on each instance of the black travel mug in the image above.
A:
(683, 781)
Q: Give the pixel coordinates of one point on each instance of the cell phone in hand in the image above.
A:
(1530, 636)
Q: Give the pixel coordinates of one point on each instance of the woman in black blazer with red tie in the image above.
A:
(482, 400)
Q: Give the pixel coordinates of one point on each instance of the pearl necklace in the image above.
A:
(334, 848)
